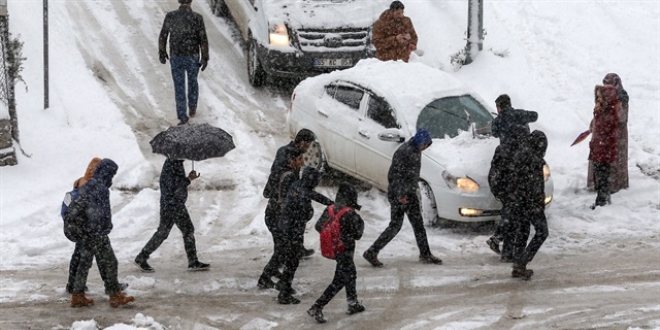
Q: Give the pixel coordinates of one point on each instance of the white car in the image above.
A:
(294, 38)
(361, 115)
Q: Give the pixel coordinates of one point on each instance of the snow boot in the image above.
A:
(494, 245)
(372, 258)
(279, 286)
(430, 259)
(354, 308)
(79, 300)
(317, 313)
(119, 299)
(287, 299)
(521, 271)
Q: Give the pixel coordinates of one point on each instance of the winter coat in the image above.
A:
(403, 175)
(385, 30)
(173, 184)
(187, 33)
(603, 145)
(279, 167)
(89, 173)
(351, 223)
(97, 193)
(297, 208)
(510, 117)
(286, 181)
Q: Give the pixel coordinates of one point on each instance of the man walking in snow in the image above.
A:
(394, 35)
(173, 195)
(96, 244)
(402, 193)
(187, 36)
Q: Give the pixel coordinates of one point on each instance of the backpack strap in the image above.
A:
(343, 211)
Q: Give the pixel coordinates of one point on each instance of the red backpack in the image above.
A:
(331, 244)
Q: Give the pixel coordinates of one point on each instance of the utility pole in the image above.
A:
(475, 32)
(45, 54)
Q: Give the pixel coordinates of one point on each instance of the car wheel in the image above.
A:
(430, 208)
(220, 8)
(314, 157)
(256, 72)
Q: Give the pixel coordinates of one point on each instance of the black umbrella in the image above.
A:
(192, 142)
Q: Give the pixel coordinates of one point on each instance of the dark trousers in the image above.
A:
(345, 277)
(170, 216)
(602, 183)
(397, 210)
(185, 68)
(506, 229)
(98, 247)
(73, 267)
(523, 252)
(292, 245)
(279, 240)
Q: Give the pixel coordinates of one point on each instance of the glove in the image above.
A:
(203, 64)
(163, 57)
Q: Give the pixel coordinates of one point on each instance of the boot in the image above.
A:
(279, 286)
(265, 283)
(287, 299)
(430, 259)
(372, 258)
(192, 111)
(79, 300)
(494, 245)
(521, 271)
(317, 313)
(355, 307)
(119, 299)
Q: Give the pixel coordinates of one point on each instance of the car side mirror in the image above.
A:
(391, 135)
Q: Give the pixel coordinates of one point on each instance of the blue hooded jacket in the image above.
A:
(97, 193)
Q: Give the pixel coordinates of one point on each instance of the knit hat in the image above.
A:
(421, 137)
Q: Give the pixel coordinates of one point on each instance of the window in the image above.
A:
(447, 116)
(330, 90)
(381, 112)
(349, 96)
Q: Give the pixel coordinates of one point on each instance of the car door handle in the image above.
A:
(364, 134)
(322, 113)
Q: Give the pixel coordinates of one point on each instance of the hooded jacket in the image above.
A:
(297, 209)
(89, 173)
(97, 193)
(403, 175)
(279, 167)
(510, 117)
(173, 184)
(351, 223)
(187, 33)
(385, 30)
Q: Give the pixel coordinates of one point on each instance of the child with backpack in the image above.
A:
(340, 226)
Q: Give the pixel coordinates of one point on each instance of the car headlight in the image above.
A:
(546, 172)
(278, 35)
(463, 183)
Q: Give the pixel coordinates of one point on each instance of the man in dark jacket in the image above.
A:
(95, 242)
(173, 195)
(187, 34)
(296, 211)
(508, 117)
(294, 163)
(352, 227)
(402, 193)
(394, 35)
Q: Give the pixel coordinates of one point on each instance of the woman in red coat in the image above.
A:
(603, 146)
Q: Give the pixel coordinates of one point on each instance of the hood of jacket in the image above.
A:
(538, 142)
(310, 177)
(347, 196)
(105, 171)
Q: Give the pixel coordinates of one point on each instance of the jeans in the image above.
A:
(185, 67)
(279, 240)
(397, 210)
(99, 247)
(75, 262)
(169, 216)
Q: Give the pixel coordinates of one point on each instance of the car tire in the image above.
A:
(256, 73)
(219, 8)
(430, 208)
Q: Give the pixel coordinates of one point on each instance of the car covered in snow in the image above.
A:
(361, 115)
(300, 38)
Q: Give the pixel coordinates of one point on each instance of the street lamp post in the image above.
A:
(475, 32)
(45, 54)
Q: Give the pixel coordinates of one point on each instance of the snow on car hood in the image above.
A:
(464, 155)
(326, 13)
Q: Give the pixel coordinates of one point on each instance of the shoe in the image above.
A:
(120, 299)
(317, 313)
(143, 265)
(521, 271)
(354, 308)
(494, 245)
(506, 259)
(197, 266)
(265, 283)
(79, 300)
(430, 259)
(192, 111)
(182, 122)
(279, 287)
(372, 258)
(287, 299)
(306, 253)
(122, 287)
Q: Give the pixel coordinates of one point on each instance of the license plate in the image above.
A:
(333, 62)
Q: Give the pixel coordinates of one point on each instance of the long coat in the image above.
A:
(97, 193)
(385, 30)
(603, 145)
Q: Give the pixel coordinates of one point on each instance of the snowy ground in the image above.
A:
(109, 96)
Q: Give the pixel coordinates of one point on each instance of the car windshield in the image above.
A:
(449, 115)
